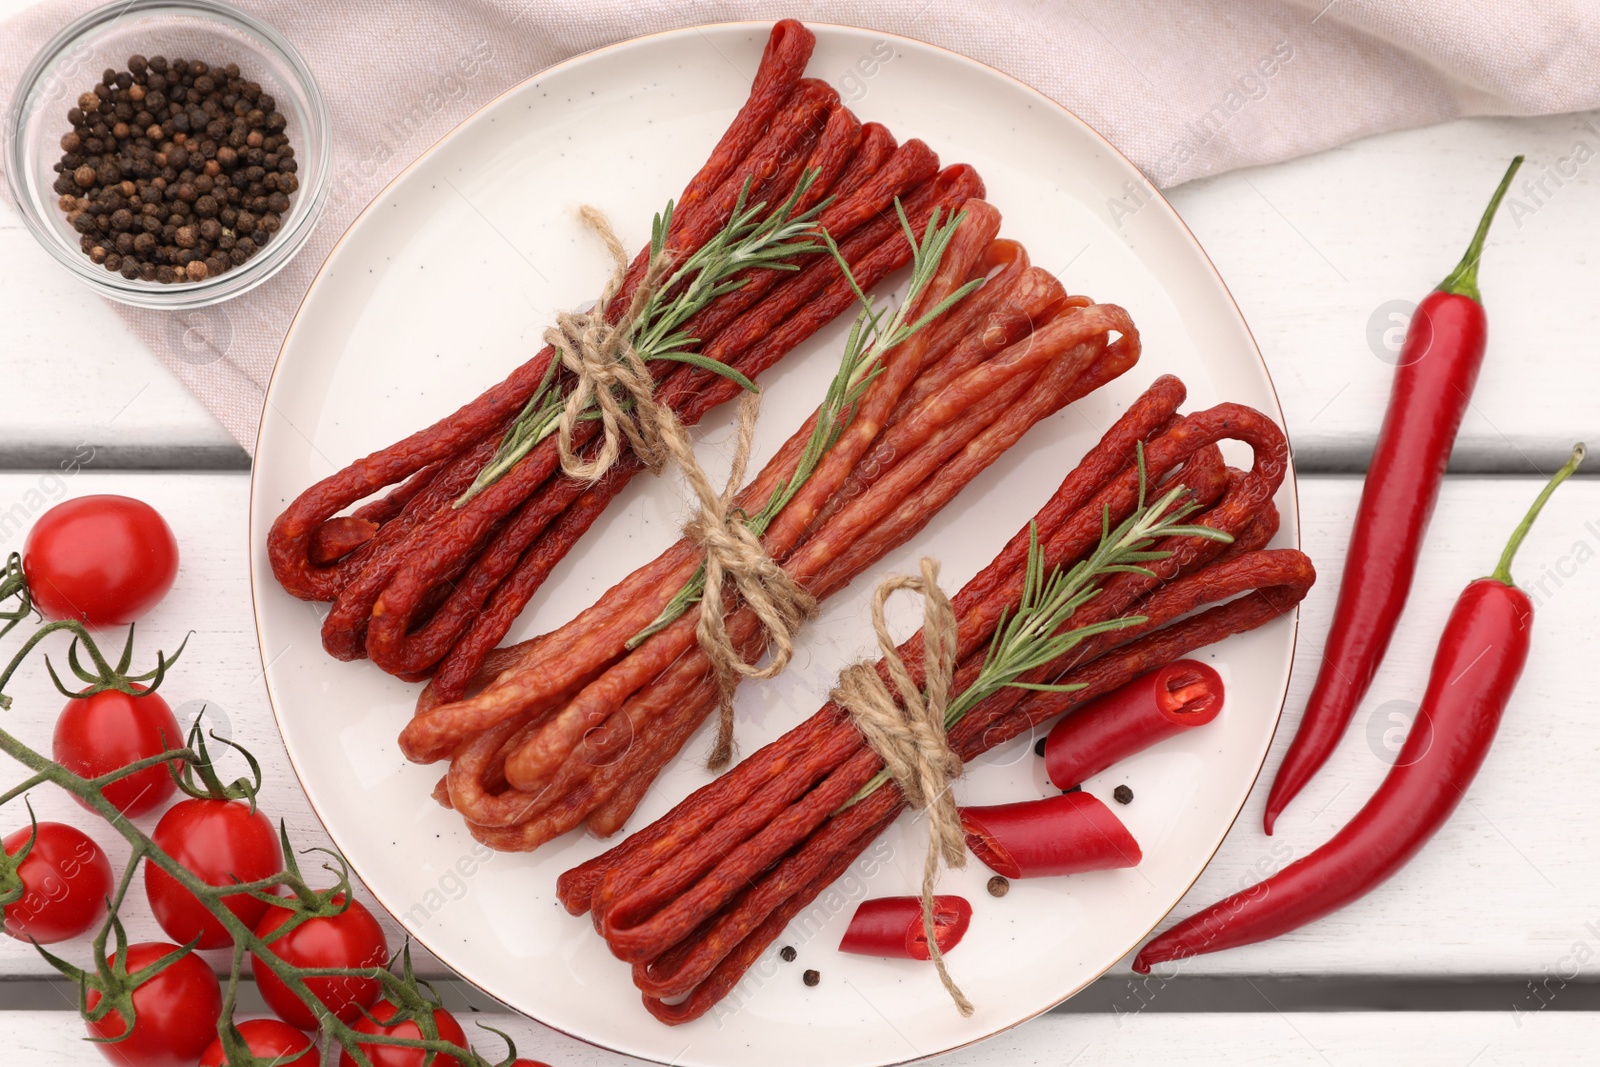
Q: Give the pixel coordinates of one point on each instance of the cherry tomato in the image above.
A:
(98, 734)
(223, 842)
(266, 1038)
(175, 1013)
(350, 939)
(105, 560)
(65, 881)
(392, 1056)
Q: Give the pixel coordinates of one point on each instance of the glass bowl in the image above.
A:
(192, 29)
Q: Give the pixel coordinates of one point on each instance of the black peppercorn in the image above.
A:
(1122, 794)
(1038, 746)
(787, 953)
(174, 170)
(999, 886)
(811, 977)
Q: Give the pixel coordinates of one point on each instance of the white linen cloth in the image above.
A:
(1186, 88)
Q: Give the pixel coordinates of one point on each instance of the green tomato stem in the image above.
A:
(143, 849)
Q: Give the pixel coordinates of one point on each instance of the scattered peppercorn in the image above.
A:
(1074, 789)
(811, 977)
(1122, 794)
(175, 171)
(998, 886)
(1038, 746)
(787, 953)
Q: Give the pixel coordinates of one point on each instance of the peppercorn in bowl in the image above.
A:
(170, 153)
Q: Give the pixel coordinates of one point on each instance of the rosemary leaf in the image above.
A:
(1038, 631)
(751, 238)
(874, 333)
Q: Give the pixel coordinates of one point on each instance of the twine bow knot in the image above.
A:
(733, 551)
(909, 734)
(610, 373)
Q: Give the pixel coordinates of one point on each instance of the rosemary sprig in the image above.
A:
(1038, 633)
(871, 337)
(752, 238)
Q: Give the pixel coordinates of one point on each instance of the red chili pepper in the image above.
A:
(1154, 706)
(1064, 834)
(892, 926)
(1433, 383)
(1480, 657)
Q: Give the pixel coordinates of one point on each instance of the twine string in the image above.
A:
(906, 729)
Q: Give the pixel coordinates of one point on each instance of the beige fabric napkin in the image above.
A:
(1186, 88)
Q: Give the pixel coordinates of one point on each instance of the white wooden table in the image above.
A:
(1497, 923)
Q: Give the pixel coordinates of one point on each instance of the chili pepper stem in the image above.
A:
(1502, 573)
(1463, 281)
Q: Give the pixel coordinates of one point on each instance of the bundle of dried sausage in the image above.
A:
(693, 899)
(428, 578)
(579, 721)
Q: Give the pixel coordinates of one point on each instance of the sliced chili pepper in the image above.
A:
(1480, 657)
(1064, 834)
(892, 927)
(1152, 707)
(1438, 368)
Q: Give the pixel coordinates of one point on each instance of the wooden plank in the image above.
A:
(1268, 1039)
(1511, 886)
(1312, 249)
(76, 375)
(1319, 251)
(1506, 887)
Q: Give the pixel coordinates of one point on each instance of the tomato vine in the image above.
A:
(109, 977)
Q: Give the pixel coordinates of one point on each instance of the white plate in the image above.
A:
(446, 282)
